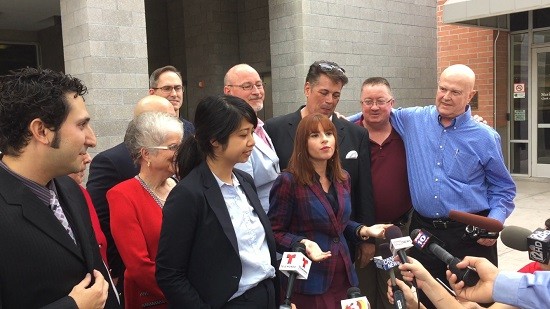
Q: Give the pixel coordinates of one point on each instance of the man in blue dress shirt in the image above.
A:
(454, 163)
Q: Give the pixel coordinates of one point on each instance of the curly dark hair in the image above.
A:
(32, 93)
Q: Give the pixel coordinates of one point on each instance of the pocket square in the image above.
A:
(352, 155)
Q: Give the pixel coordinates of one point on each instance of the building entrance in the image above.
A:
(540, 102)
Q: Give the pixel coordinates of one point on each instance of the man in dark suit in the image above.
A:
(324, 83)
(111, 167)
(49, 255)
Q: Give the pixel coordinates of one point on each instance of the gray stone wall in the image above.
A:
(105, 45)
(211, 46)
(393, 39)
(254, 46)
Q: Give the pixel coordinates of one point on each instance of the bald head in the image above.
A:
(462, 72)
(235, 71)
(454, 92)
(238, 79)
(154, 103)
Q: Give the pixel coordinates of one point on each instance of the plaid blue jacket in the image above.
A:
(297, 212)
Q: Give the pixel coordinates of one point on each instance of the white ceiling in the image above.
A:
(464, 10)
(28, 15)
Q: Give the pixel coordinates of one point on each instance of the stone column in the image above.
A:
(105, 45)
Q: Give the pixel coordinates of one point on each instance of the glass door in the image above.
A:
(540, 113)
(519, 107)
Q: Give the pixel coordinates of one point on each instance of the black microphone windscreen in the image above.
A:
(384, 250)
(515, 237)
(299, 247)
(354, 292)
(415, 233)
(489, 224)
(393, 232)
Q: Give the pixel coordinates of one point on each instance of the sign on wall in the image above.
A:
(519, 91)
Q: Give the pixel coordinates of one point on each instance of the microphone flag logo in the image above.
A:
(355, 303)
(295, 262)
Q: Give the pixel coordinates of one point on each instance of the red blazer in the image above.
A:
(100, 237)
(135, 224)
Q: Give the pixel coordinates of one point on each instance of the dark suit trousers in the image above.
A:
(259, 297)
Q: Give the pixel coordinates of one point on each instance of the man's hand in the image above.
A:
(365, 254)
(478, 118)
(410, 298)
(413, 269)
(486, 241)
(482, 292)
(92, 297)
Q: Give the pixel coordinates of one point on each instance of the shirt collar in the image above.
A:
(221, 183)
(458, 120)
(303, 106)
(43, 193)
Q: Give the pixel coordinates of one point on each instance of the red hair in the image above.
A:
(300, 162)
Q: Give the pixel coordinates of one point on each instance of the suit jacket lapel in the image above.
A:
(265, 149)
(340, 198)
(339, 128)
(317, 189)
(74, 206)
(215, 199)
(35, 211)
(293, 124)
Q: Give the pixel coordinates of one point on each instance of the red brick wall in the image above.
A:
(472, 46)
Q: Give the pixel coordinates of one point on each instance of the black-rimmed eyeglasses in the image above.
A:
(168, 89)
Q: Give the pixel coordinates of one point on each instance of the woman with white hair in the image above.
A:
(136, 204)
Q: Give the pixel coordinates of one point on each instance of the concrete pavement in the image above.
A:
(532, 209)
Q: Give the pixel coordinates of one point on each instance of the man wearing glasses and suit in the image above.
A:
(324, 83)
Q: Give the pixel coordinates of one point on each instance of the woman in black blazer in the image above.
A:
(216, 246)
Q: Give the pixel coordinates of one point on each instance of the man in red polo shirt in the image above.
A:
(392, 199)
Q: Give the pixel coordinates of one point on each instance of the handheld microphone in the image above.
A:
(398, 243)
(489, 224)
(355, 300)
(515, 237)
(398, 296)
(537, 243)
(478, 226)
(295, 265)
(425, 241)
